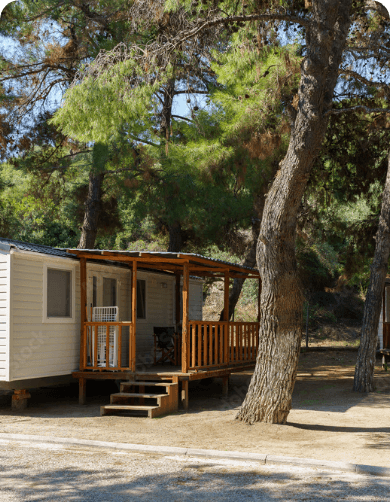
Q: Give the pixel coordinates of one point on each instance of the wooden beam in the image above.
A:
(133, 329)
(184, 394)
(82, 391)
(83, 307)
(213, 264)
(226, 317)
(225, 386)
(196, 261)
(177, 299)
(185, 327)
(125, 258)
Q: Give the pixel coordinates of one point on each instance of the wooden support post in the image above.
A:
(20, 400)
(177, 299)
(82, 391)
(83, 307)
(225, 386)
(184, 394)
(224, 358)
(133, 331)
(185, 330)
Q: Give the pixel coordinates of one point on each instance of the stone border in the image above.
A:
(192, 452)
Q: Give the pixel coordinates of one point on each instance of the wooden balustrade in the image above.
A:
(108, 345)
(105, 346)
(218, 344)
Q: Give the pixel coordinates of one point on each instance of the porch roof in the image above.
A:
(173, 262)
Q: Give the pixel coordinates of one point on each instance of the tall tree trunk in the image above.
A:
(92, 211)
(270, 392)
(175, 238)
(166, 113)
(365, 365)
(249, 260)
(93, 204)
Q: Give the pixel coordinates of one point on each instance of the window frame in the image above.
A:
(143, 319)
(66, 268)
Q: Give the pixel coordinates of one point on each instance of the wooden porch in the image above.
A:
(205, 348)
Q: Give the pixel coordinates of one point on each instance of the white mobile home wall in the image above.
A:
(32, 347)
(4, 313)
(39, 348)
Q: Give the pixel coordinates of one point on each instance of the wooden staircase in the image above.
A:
(150, 399)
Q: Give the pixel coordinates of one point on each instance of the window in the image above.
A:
(59, 293)
(109, 292)
(141, 299)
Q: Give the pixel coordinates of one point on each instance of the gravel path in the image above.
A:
(47, 472)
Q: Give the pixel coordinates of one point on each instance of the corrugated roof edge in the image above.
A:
(36, 248)
(163, 253)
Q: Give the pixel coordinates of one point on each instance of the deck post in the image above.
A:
(184, 394)
(82, 391)
(177, 299)
(133, 330)
(224, 358)
(185, 332)
(83, 307)
(225, 386)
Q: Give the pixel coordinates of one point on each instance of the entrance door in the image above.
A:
(109, 292)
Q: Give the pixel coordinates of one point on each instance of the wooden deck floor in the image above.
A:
(161, 372)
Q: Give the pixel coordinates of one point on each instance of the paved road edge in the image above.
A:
(228, 455)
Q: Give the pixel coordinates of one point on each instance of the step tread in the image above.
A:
(128, 407)
(151, 384)
(137, 394)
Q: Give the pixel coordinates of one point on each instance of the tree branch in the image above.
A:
(362, 79)
(191, 91)
(142, 140)
(355, 109)
(232, 19)
(182, 118)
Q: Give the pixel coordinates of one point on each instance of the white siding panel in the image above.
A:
(4, 314)
(40, 349)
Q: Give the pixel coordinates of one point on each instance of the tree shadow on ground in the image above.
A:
(122, 479)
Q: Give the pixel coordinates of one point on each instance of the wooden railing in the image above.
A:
(108, 346)
(220, 344)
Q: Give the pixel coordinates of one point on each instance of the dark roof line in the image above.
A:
(36, 248)
(163, 254)
(61, 252)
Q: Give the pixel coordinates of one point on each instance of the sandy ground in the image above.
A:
(327, 421)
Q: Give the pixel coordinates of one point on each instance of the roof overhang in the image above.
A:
(172, 262)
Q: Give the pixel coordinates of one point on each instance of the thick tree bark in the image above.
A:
(365, 365)
(92, 211)
(270, 392)
(175, 238)
(166, 113)
(93, 204)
